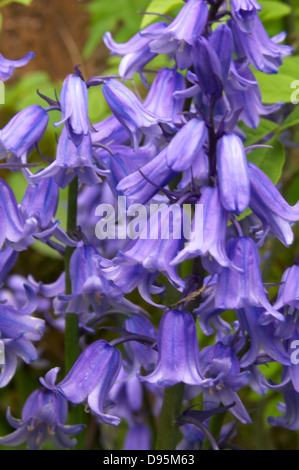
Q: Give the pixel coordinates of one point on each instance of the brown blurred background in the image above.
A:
(56, 30)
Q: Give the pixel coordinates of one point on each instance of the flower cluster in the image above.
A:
(181, 144)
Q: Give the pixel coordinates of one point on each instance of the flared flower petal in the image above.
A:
(262, 52)
(288, 293)
(7, 67)
(188, 24)
(43, 417)
(71, 160)
(92, 376)
(269, 205)
(244, 287)
(178, 351)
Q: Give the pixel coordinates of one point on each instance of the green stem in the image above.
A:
(72, 335)
(167, 436)
(72, 350)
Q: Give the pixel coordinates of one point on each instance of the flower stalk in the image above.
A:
(72, 350)
(167, 436)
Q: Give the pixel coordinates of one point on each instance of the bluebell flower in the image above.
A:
(127, 394)
(196, 174)
(127, 275)
(209, 317)
(124, 161)
(8, 258)
(93, 294)
(89, 199)
(91, 378)
(145, 356)
(220, 364)
(40, 201)
(290, 408)
(262, 337)
(138, 437)
(136, 52)
(43, 418)
(188, 141)
(207, 67)
(22, 224)
(178, 350)
(13, 227)
(180, 35)
(262, 52)
(244, 287)
(7, 67)
(232, 169)
(192, 437)
(160, 99)
(270, 207)
(243, 93)
(221, 41)
(211, 218)
(74, 107)
(159, 241)
(244, 13)
(18, 329)
(288, 293)
(109, 131)
(22, 132)
(131, 112)
(141, 185)
(71, 160)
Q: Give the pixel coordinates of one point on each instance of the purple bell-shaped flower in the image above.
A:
(178, 351)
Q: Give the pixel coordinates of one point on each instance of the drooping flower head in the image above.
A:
(178, 351)
(22, 132)
(43, 418)
(90, 378)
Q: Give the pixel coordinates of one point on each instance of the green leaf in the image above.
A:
(159, 6)
(24, 2)
(264, 128)
(7, 2)
(268, 127)
(119, 17)
(291, 120)
(269, 160)
(277, 87)
(45, 250)
(18, 184)
(273, 10)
